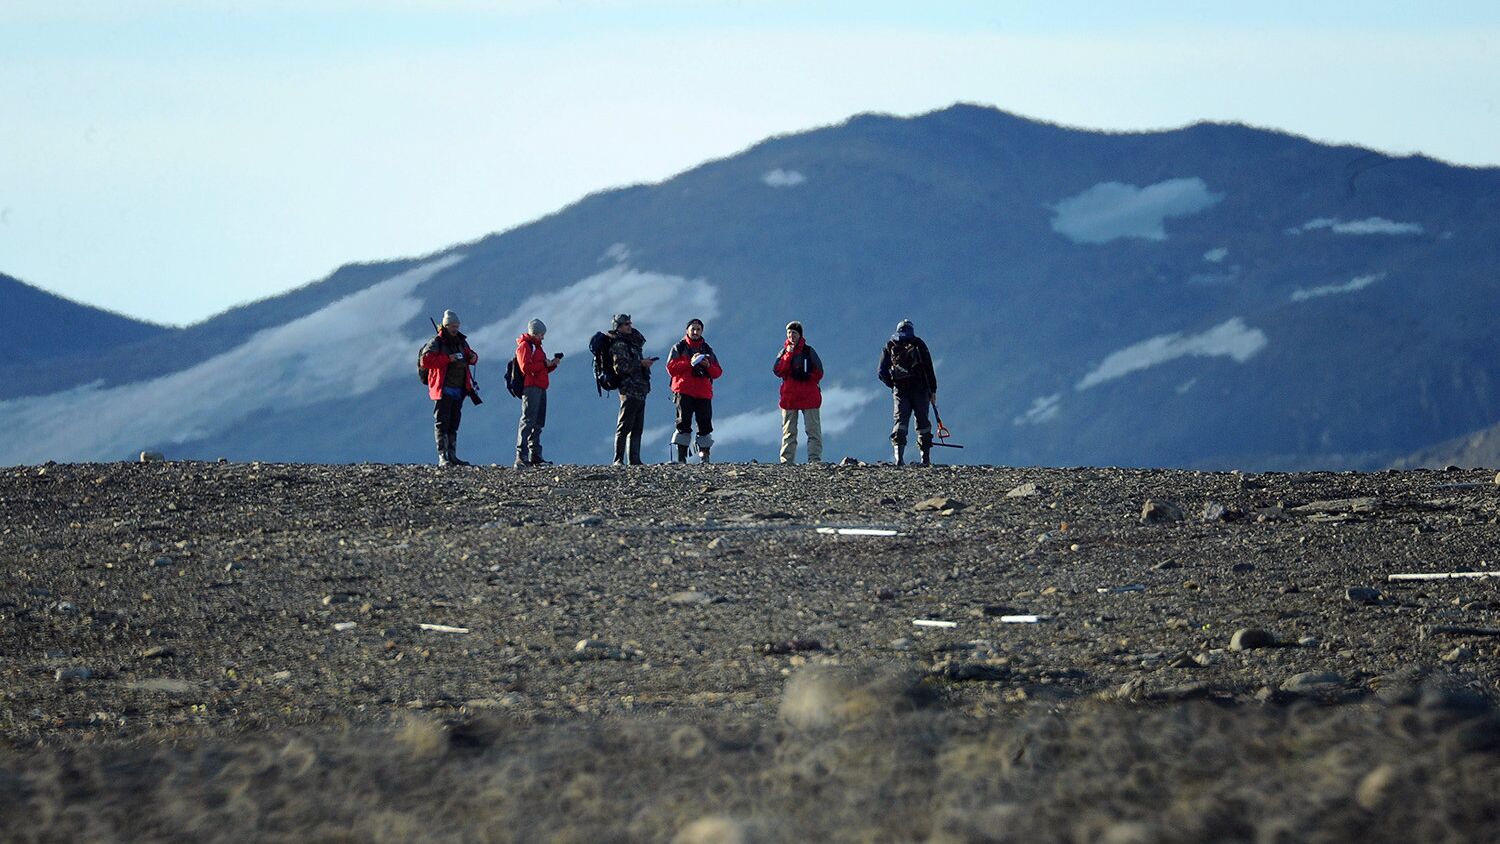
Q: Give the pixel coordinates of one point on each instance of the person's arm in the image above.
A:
(931, 372)
(883, 372)
(781, 368)
(433, 357)
(473, 355)
(815, 365)
(678, 365)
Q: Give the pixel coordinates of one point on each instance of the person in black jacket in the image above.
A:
(906, 367)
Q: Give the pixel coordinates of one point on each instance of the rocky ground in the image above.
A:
(198, 651)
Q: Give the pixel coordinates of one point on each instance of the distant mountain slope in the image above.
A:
(32, 320)
(1480, 449)
(1213, 296)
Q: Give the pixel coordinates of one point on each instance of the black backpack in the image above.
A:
(515, 379)
(906, 360)
(801, 365)
(601, 347)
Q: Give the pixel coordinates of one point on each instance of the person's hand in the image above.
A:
(699, 358)
(458, 356)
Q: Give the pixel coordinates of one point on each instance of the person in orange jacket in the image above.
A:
(693, 367)
(447, 358)
(800, 369)
(537, 369)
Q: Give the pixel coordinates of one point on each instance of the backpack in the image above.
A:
(515, 379)
(801, 365)
(906, 360)
(601, 347)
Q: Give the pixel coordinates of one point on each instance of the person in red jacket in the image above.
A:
(537, 368)
(447, 358)
(800, 369)
(693, 367)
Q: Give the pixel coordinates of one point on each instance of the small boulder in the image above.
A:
(1362, 595)
(939, 504)
(152, 457)
(1312, 683)
(1026, 490)
(1213, 511)
(1157, 511)
(1250, 638)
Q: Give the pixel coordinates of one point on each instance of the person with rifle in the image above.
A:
(633, 375)
(446, 359)
(800, 369)
(537, 368)
(906, 368)
(693, 367)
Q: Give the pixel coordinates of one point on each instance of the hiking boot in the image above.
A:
(620, 449)
(635, 451)
(926, 457)
(682, 454)
(900, 453)
(618, 462)
(442, 449)
(703, 455)
(453, 459)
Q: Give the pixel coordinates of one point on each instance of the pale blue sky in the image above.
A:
(171, 159)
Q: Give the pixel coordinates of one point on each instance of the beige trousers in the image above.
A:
(812, 420)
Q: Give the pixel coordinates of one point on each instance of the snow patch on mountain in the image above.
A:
(780, 178)
(617, 252)
(841, 406)
(1112, 210)
(1043, 409)
(1367, 226)
(658, 304)
(1360, 283)
(348, 347)
(1231, 339)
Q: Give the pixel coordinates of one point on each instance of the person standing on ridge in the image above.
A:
(800, 369)
(634, 374)
(537, 369)
(693, 367)
(447, 358)
(906, 367)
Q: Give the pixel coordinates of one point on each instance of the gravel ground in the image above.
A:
(1216, 656)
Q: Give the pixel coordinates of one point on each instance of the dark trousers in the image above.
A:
(628, 428)
(909, 401)
(690, 409)
(533, 420)
(446, 414)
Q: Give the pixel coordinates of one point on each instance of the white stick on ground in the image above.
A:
(443, 628)
(1023, 619)
(931, 622)
(1448, 575)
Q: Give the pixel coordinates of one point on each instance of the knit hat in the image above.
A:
(904, 329)
(691, 322)
(536, 328)
(450, 318)
(621, 319)
(794, 326)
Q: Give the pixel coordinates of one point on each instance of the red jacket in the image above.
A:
(798, 393)
(534, 362)
(698, 384)
(435, 361)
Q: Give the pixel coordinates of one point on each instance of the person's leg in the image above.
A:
(682, 438)
(635, 426)
(705, 413)
(920, 403)
(455, 416)
(788, 436)
(622, 429)
(527, 432)
(900, 410)
(541, 422)
(813, 421)
(440, 429)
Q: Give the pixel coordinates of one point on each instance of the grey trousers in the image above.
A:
(533, 419)
(905, 404)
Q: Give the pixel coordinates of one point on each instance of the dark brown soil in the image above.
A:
(229, 650)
